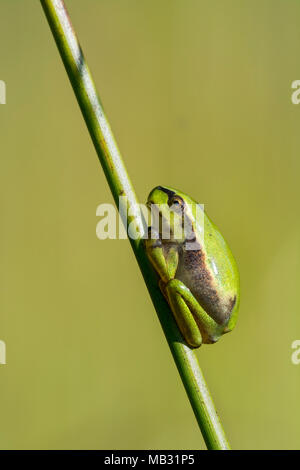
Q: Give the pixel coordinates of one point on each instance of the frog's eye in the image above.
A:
(176, 202)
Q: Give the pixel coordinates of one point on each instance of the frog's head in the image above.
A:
(161, 195)
(170, 205)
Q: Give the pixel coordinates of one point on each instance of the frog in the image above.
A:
(197, 273)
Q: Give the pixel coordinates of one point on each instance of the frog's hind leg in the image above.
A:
(190, 316)
(183, 316)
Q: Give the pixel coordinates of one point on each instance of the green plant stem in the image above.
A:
(120, 185)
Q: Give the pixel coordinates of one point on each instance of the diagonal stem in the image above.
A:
(120, 185)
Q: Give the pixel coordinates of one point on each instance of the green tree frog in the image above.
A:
(197, 272)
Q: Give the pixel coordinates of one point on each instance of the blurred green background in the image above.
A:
(199, 97)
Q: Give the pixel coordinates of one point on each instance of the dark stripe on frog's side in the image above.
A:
(193, 272)
(167, 191)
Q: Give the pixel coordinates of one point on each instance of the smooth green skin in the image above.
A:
(200, 285)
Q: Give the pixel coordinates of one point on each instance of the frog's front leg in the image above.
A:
(190, 316)
(163, 257)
